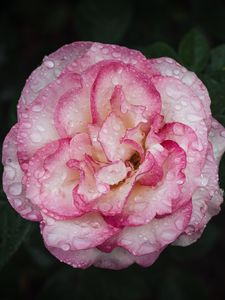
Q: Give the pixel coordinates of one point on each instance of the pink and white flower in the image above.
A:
(116, 155)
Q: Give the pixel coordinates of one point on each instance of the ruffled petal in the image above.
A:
(217, 138)
(206, 201)
(180, 104)
(111, 203)
(50, 182)
(144, 203)
(50, 70)
(72, 113)
(84, 232)
(137, 89)
(167, 67)
(110, 135)
(187, 139)
(89, 189)
(152, 237)
(112, 173)
(36, 126)
(80, 146)
(12, 179)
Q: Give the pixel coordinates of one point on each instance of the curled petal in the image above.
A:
(137, 88)
(206, 201)
(156, 234)
(217, 138)
(80, 146)
(167, 67)
(36, 126)
(50, 182)
(12, 179)
(110, 135)
(180, 104)
(145, 203)
(72, 113)
(51, 69)
(112, 173)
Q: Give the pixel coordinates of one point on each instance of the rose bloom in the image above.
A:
(116, 155)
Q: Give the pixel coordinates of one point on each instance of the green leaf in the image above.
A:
(129, 285)
(102, 20)
(199, 249)
(215, 82)
(35, 248)
(194, 50)
(60, 285)
(180, 284)
(13, 230)
(217, 58)
(159, 49)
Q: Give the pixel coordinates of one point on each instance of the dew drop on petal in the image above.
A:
(223, 134)
(49, 64)
(193, 118)
(179, 224)
(168, 236)
(10, 172)
(37, 107)
(188, 78)
(15, 189)
(65, 247)
(35, 137)
(17, 202)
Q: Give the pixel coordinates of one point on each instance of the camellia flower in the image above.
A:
(114, 154)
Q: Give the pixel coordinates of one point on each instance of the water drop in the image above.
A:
(115, 80)
(39, 173)
(179, 224)
(37, 107)
(40, 128)
(65, 247)
(26, 125)
(193, 118)
(188, 78)
(223, 134)
(168, 236)
(36, 137)
(204, 181)
(15, 189)
(116, 126)
(10, 172)
(116, 54)
(49, 64)
(178, 107)
(17, 202)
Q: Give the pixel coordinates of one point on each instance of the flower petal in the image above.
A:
(144, 203)
(217, 138)
(180, 104)
(110, 136)
(137, 88)
(50, 182)
(146, 239)
(36, 126)
(167, 67)
(112, 173)
(12, 179)
(51, 68)
(206, 201)
(72, 113)
(84, 232)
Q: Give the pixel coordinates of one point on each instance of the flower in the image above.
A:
(114, 154)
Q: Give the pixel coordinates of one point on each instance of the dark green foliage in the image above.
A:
(192, 32)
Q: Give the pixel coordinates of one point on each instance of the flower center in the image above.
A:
(135, 160)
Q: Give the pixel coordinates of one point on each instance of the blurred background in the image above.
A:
(191, 31)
